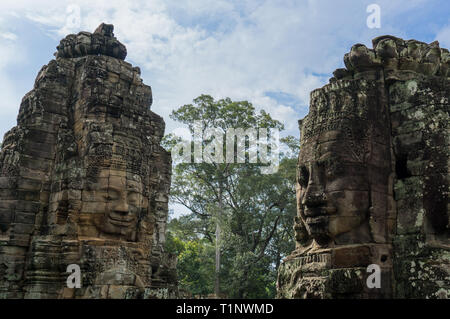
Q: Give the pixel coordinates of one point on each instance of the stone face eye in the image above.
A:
(133, 197)
(109, 198)
(111, 195)
(303, 177)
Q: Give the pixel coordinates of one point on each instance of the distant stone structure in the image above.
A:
(373, 182)
(84, 180)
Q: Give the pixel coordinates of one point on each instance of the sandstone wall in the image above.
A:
(84, 180)
(404, 224)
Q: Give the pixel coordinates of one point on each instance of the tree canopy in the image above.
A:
(240, 221)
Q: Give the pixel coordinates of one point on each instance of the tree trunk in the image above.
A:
(217, 274)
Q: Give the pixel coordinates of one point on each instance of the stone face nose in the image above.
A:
(121, 206)
(314, 198)
(314, 194)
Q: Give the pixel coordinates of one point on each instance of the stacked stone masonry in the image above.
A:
(373, 180)
(84, 180)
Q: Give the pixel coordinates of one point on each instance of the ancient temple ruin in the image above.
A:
(372, 182)
(84, 181)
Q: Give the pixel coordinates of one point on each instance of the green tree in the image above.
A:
(245, 214)
(195, 264)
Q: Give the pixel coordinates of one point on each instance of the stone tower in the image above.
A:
(84, 181)
(372, 182)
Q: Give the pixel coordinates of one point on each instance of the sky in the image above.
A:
(271, 53)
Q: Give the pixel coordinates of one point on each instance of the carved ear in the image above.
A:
(144, 225)
(378, 217)
(140, 226)
(368, 144)
(143, 212)
(66, 145)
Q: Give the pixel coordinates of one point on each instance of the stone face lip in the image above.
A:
(101, 42)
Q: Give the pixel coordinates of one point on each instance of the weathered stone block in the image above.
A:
(64, 193)
(6, 216)
(395, 95)
(24, 218)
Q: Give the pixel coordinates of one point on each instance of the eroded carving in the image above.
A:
(85, 181)
(369, 190)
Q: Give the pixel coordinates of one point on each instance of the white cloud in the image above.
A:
(8, 36)
(12, 55)
(240, 49)
(443, 36)
(235, 48)
(253, 54)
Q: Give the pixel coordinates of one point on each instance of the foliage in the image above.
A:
(195, 263)
(253, 211)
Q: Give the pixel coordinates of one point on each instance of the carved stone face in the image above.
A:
(332, 191)
(118, 204)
